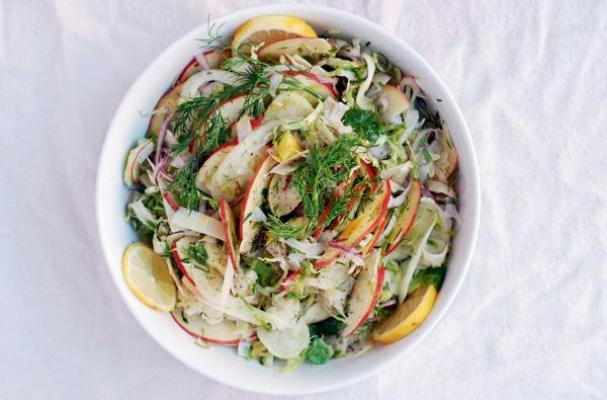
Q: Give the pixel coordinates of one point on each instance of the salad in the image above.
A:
(294, 197)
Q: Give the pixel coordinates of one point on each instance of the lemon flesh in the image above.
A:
(148, 277)
(407, 317)
(270, 29)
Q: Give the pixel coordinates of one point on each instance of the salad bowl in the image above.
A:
(222, 364)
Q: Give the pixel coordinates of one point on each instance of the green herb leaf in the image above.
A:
(279, 229)
(184, 186)
(428, 276)
(197, 253)
(266, 274)
(319, 351)
(366, 123)
(216, 134)
(315, 179)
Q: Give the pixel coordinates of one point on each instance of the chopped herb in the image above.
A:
(279, 229)
(214, 40)
(266, 274)
(197, 253)
(216, 134)
(381, 312)
(366, 123)
(319, 351)
(184, 185)
(322, 171)
(186, 120)
(428, 276)
(427, 155)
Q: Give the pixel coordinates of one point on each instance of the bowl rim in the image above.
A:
(473, 178)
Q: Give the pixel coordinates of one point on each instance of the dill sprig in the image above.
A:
(321, 173)
(279, 229)
(187, 119)
(197, 253)
(214, 40)
(216, 134)
(255, 81)
(184, 185)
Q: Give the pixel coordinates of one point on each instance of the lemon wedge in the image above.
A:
(146, 274)
(407, 316)
(270, 29)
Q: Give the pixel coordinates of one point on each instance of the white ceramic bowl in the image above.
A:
(222, 364)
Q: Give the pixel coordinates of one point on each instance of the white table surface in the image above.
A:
(531, 319)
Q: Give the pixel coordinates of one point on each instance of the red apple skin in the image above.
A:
(201, 337)
(217, 151)
(167, 196)
(224, 213)
(323, 217)
(371, 173)
(255, 122)
(380, 228)
(179, 263)
(381, 272)
(353, 242)
(403, 233)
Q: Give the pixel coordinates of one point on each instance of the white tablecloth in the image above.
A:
(531, 319)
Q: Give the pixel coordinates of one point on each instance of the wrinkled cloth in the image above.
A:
(531, 319)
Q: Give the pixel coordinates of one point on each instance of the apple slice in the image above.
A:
(405, 218)
(229, 230)
(338, 192)
(167, 103)
(238, 167)
(397, 102)
(229, 109)
(370, 171)
(286, 343)
(315, 313)
(355, 230)
(204, 178)
(225, 332)
(377, 234)
(198, 222)
(305, 47)
(190, 69)
(283, 198)
(214, 60)
(309, 80)
(254, 199)
(288, 106)
(365, 293)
